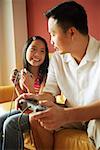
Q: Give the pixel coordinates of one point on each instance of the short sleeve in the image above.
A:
(51, 85)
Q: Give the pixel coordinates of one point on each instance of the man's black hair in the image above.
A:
(70, 14)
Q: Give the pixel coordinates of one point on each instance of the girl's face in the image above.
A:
(36, 52)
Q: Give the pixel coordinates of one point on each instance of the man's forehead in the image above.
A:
(51, 23)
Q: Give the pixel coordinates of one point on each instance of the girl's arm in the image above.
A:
(18, 89)
(42, 85)
(14, 77)
(28, 83)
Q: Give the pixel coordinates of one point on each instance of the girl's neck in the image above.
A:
(34, 71)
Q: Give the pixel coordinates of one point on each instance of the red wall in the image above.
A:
(37, 23)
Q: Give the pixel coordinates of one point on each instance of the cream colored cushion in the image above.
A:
(71, 139)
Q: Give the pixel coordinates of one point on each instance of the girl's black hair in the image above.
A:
(43, 70)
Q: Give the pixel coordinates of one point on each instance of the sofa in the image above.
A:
(67, 139)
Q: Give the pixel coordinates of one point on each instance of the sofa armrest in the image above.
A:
(7, 93)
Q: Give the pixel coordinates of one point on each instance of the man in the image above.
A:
(74, 70)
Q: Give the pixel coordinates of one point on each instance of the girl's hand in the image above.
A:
(24, 96)
(27, 79)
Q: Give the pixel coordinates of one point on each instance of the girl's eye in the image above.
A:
(42, 50)
(33, 49)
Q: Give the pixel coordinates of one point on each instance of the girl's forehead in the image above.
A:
(38, 42)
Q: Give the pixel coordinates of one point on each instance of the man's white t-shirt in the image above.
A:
(80, 84)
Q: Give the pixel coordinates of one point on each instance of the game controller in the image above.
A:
(31, 104)
(18, 76)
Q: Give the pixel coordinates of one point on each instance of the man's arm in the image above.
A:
(84, 113)
(56, 116)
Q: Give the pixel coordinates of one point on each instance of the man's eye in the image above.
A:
(52, 34)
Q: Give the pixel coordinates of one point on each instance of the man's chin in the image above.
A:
(58, 50)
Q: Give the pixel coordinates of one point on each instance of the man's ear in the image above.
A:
(72, 31)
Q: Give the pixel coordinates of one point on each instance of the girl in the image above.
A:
(30, 79)
(35, 64)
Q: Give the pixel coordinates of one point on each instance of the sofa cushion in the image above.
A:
(28, 141)
(72, 139)
(7, 93)
(67, 139)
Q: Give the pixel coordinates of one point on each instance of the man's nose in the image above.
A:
(52, 42)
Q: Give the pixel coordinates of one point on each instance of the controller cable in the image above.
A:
(22, 112)
(19, 126)
(13, 94)
(12, 99)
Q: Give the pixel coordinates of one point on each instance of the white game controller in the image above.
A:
(31, 104)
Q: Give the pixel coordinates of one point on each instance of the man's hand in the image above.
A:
(52, 118)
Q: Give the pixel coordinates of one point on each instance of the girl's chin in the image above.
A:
(35, 64)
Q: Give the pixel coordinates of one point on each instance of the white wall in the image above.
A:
(13, 34)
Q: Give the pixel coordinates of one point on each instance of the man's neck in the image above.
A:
(81, 48)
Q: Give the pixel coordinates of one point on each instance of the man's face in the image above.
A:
(59, 39)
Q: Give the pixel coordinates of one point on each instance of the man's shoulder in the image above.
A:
(56, 59)
(93, 46)
(94, 41)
